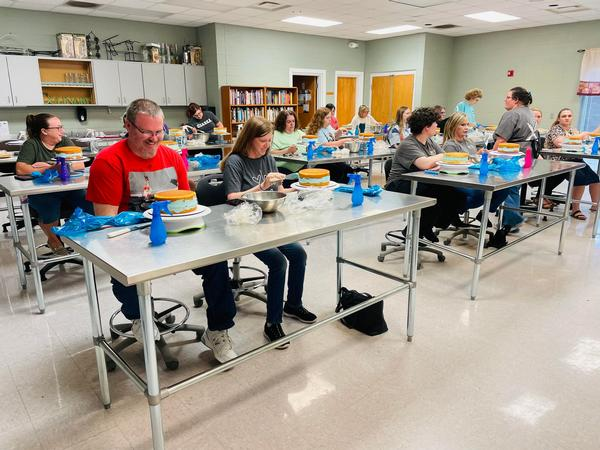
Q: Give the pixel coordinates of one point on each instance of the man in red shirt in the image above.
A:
(128, 173)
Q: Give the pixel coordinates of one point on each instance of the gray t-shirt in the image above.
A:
(514, 127)
(241, 173)
(410, 149)
(452, 145)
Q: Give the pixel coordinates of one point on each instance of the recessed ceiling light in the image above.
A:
(398, 29)
(492, 16)
(313, 22)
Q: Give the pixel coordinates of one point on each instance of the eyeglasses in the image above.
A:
(148, 133)
(55, 128)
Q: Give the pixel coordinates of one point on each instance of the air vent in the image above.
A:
(80, 4)
(446, 26)
(567, 9)
(269, 6)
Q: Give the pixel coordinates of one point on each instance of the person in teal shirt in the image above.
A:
(287, 139)
(472, 96)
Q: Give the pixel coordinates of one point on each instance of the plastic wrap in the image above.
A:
(81, 222)
(201, 161)
(47, 177)
(502, 165)
(298, 202)
(244, 213)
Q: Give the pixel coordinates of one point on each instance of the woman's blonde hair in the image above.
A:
(362, 109)
(255, 127)
(452, 124)
(400, 116)
(316, 123)
(473, 93)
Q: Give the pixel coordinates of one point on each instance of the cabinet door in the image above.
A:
(25, 82)
(132, 86)
(5, 94)
(154, 82)
(106, 82)
(195, 84)
(175, 84)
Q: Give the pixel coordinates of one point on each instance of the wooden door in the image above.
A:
(402, 89)
(381, 96)
(305, 113)
(346, 100)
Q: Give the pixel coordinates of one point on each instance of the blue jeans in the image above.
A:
(219, 298)
(512, 218)
(48, 206)
(276, 259)
(474, 198)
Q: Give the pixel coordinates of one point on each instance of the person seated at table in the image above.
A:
(251, 168)
(334, 122)
(456, 140)
(516, 125)
(442, 119)
(399, 130)
(201, 121)
(46, 134)
(472, 96)
(418, 152)
(362, 120)
(328, 137)
(137, 167)
(560, 129)
(287, 139)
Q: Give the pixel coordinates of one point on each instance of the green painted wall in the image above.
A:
(397, 54)
(437, 69)
(37, 30)
(545, 60)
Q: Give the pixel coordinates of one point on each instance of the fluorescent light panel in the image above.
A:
(398, 29)
(311, 21)
(492, 16)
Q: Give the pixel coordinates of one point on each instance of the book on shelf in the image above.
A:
(246, 96)
(272, 112)
(242, 114)
(279, 97)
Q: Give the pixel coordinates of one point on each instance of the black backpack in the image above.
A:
(369, 320)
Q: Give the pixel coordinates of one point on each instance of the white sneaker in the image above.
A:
(220, 343)
(136, 329)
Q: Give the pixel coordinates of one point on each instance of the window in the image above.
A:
(589, 118)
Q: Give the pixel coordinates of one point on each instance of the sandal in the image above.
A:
(548, 204)
(577, 214)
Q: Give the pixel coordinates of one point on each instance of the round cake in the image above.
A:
(573, 140)
(314, 177)
(508, 147)
(171, 144)
(69, 152)
(180, 201)
(456, 158)
(220, 131)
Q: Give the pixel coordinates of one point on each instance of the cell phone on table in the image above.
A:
(23, 177)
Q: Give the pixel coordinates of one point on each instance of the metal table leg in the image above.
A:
(35, 268)
(566, 212)
(15, 238)
(481, 241)
(340, 254)
(595, 226)
(90, 285)
(409, 232)
(414, 261)
(369, 177)
(144, 291)
(540, 204)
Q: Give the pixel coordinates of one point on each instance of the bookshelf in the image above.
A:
(239, 103)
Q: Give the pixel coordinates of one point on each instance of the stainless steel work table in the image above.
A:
(327, 158)
(540, 170)
(131, 260)
(13, 189)
(579, 156)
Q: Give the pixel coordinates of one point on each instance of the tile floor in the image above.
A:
(519, 368)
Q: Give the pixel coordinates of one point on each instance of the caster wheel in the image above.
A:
(170, 318)
(419, 266)
(441, 258)
(27, 267)
(383, 247)
(172, 365)
(198, 302)
(198, 335)
(110, 365)
(113, 335)
(447, 242)
(380, 258)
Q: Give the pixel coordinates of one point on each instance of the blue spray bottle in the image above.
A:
(357, 131)
(483, 164)
(158, 231)
(370, 145)
(63, 168)
(595, 145)
(310, 151)
(357, 192)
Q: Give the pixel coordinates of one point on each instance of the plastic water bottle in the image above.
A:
(370, 146)
(528, 158)
(310, 151)
(357, 192)
(357, 131)
(595, 145)
(158, 231)
(184, 156)
(483, 164)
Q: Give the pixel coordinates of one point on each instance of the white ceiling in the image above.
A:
(357, 16)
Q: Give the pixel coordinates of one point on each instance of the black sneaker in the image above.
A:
(273, 332)
(301, 313)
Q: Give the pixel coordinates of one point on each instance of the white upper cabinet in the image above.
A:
(5, 93)
(130, 77)
(175, 85)
(154, 82)
(106, 82)
(25, 82)
(195, 84)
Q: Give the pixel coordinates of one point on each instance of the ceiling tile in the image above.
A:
(171, 9)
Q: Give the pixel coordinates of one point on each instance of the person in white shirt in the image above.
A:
(362, 120)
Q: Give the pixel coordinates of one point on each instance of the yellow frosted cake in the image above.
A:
(508, 147)
(180, 201)
(456, 158)
(220, 131)
(69, 152)
(314, 177)
(573, 140)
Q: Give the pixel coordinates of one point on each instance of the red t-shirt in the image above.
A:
(334, 122)
(118, 176)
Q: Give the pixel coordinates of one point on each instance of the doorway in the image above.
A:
(348, 95)
(307, 97)
(318, 93)
(390, 91)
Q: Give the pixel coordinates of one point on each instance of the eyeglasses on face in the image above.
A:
(55, 128)
(148, 133)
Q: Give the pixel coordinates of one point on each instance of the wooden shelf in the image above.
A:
(58, 77)
(76, 86)
(285, 104)
(233, 105)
